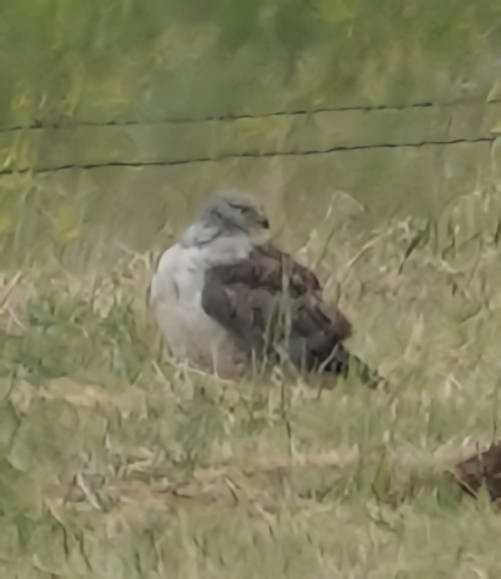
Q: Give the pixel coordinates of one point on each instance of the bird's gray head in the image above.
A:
(236, 213)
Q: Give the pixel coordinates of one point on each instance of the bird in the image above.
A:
(227, 302)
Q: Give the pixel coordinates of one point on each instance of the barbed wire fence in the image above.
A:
(37, 125)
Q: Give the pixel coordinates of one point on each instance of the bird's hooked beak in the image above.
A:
(261, 229)
(264, 223)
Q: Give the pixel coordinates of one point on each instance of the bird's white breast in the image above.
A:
(176, 295)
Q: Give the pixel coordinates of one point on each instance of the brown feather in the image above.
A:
(270, 299)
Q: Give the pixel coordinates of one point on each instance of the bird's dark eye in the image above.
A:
(243, 209)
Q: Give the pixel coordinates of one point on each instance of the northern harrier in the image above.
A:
(225, 302)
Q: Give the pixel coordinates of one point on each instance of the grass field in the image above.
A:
(115, 462)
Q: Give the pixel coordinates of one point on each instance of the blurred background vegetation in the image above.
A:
(131, 60)
(65, 63)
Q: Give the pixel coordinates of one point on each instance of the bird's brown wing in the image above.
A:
(272, 304)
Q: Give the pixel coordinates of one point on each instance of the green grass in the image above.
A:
(115, 462)
(101, 60)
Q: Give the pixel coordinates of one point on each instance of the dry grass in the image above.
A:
(118, 463)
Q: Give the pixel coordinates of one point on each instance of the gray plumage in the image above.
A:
(222, 300)
(220, 237)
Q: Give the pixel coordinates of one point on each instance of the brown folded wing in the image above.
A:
(274, 307)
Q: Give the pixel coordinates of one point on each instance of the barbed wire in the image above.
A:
(37, 124)
(249, 155)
